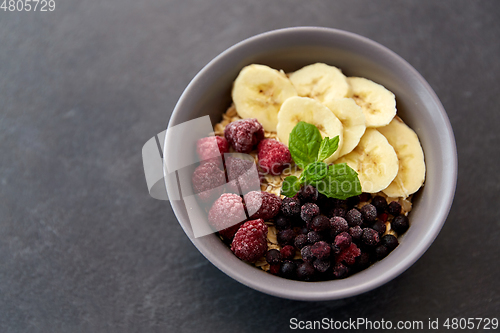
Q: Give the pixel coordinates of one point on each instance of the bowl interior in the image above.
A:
(290, 49)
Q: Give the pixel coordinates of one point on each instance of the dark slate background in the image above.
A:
(83, 248)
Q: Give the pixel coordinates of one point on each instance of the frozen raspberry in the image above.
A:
(308, 211)
(287, 252)
(338, 225)
(285, 237)
(380, 203)
(321, 265)
(305, 271)
(273, 257)
(354, 217)
(250, 242)
(400, 224)
(369, 213)
(340, 271)
(274, 269)
(244, 134)
(319, 223)
(300, 241)
(383, 217)
(343, 240)
(356, 232)
(242, 172)
(321, 250)
(348, 256)
(394, 208)
(262, 205)
(212, 146)
(290, 207)
(207, 181)
(226, 211)
(273, 156)
(308, 193)
(230, 232)
(370, 237)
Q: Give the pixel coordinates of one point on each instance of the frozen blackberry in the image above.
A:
(354, 217)
(394, 208)
(338, 225)
(340, 271)
(282, 222)
(250, 241)
(300, 241)
(380, 203)
(321, 265)
(273, 156)
(319, 223)
(273, 257)
(381, 252)
(290, 207)
(390, 241)
(369, 213)
(305, 271)
(379, 227)
(370, 237)
(285, 237)
(356, 232)
(308, 193)
(287, 269)
(400, 224)
(306, 253)
(338, 211)
(262, 205)
(308, 211)
(343, 240)
(321, 250)
(244, 134)
(313, 237)
(287, 252)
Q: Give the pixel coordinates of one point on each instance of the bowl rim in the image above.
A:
(302, 292)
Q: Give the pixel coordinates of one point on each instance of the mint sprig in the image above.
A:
(309, 150)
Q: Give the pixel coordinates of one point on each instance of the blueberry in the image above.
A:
(338, 211)
(354, 217)
(338, 225)
(286, 237)
(308, 211)
(319, 223)
(394, 208)
(306, 253)
(273, 257)
(370, 237)
(390, 241)
(308, 193)
(287, 269)
(364, 197)
(305, 271)
(369, 213)
(381, 252)
(379, 227)
(380, 203)
(290, 207)
(282, 223)
(321, 265)
(400, 224)
(340, 271)
(353, 201)
(356, 232)
(300, 241)
(313, 237)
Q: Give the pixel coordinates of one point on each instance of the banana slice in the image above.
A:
(374, 160)
(319, 81)
(259, 91)
(378, 103)
(411, 172)
(353, 121)
(311, 111)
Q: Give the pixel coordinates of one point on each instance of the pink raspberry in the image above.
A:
(242, 172)
(244, 134)
(212, 146)
(273, 156)
(262, 205)
(230, 232)
(250, 241)
(348, 256)
(207, 181)
(226, 212)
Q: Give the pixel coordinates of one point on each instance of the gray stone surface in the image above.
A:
(83, 248)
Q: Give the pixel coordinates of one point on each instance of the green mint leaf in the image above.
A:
(290, 186)
(315, 171)
(341, 182)
(304, 143)
(328, 147)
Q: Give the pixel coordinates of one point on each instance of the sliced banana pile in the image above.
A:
(376, 143)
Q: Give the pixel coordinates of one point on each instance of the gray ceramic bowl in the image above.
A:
(290, 49)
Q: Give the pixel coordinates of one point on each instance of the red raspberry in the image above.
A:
(348, 256)
(230, 232)
(244, 134)
(273, 156)
(207, 181)
(250, 242)
(242, 172)
(262, 205)
(226, 212)
(212, 146)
